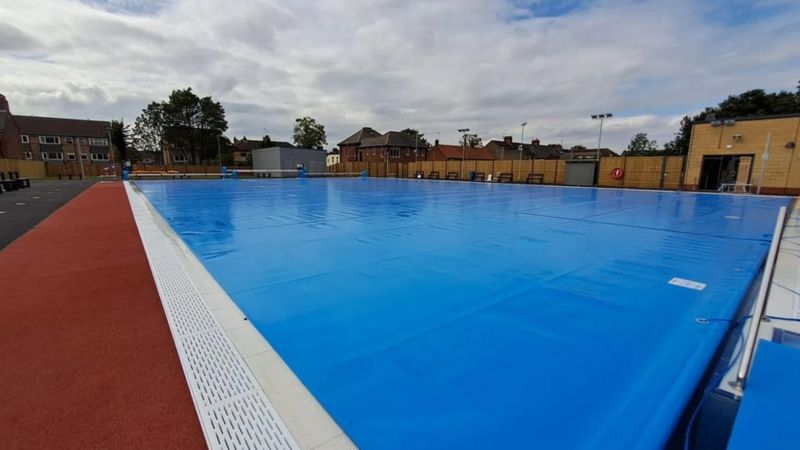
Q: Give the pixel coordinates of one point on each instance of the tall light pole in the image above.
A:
(521, 143)
(464, 131)
(600, 138)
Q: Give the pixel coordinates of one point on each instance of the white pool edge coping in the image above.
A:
(274, 385)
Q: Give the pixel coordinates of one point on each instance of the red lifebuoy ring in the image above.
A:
(617, 173)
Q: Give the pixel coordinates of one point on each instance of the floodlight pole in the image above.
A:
(600, 137)
(521, 143)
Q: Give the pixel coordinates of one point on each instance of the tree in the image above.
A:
(474, 141)
(120, 135)
(193, 124)
(641, 144)
(417, 136)
(186, 122)
(266, 141)
(148, 131)
(755, 102)
(308, 133)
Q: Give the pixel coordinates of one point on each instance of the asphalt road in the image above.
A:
(23, 209)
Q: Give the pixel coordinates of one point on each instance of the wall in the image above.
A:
(782, 172)
(26, 169)
(642, 172)
(285, 158)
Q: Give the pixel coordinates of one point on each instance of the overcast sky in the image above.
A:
(487, 65)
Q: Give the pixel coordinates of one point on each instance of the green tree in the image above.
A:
(120, 135)
(417, 136)
(640, 143)
(474, 141)
(186, 122)
(308, 133)
(192, 124)
(148, 130)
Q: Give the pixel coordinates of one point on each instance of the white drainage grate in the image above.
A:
(234, 411)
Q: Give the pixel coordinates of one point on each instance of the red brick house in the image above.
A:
(507, 149)
(443, 152)
(53, 139)
(369, 145)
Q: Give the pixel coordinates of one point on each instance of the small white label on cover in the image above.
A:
(687, 284)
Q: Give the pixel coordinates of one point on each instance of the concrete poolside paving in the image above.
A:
(88, 360)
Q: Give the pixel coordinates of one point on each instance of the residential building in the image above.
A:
(444, 152)
(727, 154)
(243, 148)
(369, 145)
(332, 158)
(507, 149)
(583, 153)
(53, 139)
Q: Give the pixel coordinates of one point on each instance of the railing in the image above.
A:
(761, 303)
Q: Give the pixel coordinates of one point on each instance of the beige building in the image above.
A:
(729, 154)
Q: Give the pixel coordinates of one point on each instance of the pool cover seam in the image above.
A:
(231, 416)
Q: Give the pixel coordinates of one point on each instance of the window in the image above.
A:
(84, 156)
(28, 155)
(179, 158)
(100, 142)
(394, 153)
(49, 140)
(68, 140)
(52, 156)
(81, 140)
(99, 156)
(71, 156)
(25, 139)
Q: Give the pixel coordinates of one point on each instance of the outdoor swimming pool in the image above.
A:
(440, 314)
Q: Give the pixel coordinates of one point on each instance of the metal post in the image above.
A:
(219, 153)
(761, 302)
(764, 160)
(80, 157)
(599, 139)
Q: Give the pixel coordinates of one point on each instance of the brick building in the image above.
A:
(369, 145)
(730, 152)
(444, 152)
(507, 149)
(52, 139)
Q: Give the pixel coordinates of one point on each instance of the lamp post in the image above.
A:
(464, 131)
(521, 142)
(601, 117)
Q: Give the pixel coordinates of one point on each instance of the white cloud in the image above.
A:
(390, 64)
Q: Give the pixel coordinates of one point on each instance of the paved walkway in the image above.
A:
(22, 209)
(87, 359)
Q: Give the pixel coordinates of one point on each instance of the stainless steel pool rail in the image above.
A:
(761, 303)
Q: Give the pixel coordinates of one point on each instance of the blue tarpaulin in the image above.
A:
(768, 416)
(428, 314)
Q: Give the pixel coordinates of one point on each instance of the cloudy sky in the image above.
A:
(436, 65)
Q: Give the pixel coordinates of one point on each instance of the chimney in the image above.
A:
(535, 142)
(4, 103)
(436, 143)
(508, 140)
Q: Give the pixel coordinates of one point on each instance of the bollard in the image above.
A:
(124, 175)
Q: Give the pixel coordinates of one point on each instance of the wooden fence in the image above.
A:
(642, 172)
(26, 168)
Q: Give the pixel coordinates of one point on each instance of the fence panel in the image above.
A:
(642, 172)
(607, 165)
(673, 172)
(26, 168)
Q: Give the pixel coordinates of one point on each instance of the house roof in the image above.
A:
(586, 152)
(359, 136)
(457, 152)
(246, 145)
(391, 139)
(538, 151)
(61, 127)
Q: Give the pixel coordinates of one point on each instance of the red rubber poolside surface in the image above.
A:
(86, 355)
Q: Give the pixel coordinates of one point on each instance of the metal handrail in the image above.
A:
(761, 303)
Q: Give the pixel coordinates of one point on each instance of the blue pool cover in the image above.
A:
(767, 417)
(430, 314)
